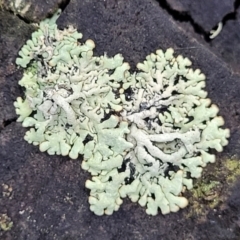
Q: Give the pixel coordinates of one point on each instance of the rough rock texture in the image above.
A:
(33, 10)
(11, 41)
(205, 13)
(226, 44)
(48, 199)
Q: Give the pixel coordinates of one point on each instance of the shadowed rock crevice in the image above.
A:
(206, 14)
(184, 16)
(64, 4)
(8, 122)
(231, 15)
(199, 18)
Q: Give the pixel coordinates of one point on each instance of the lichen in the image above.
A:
(215, 33)
(172, 127)
(69, 99)
(144, 135)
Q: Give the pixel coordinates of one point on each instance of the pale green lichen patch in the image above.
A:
(172, 127)
(144, 135)
(70, 94)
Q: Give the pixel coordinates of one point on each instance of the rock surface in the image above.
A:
(205, 13)
(13, 34)
(48, 198)
(32, 10)
(226, 45)
(191, 19)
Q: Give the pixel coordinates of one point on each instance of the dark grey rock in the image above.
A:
(226, 44)
(205, 13)
(13, 34)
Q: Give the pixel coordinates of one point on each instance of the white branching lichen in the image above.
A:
(172, 126)
(69, 98)
(215, 33)
(144, 135)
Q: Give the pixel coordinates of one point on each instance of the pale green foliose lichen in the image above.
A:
(172, 127)
(144, 135)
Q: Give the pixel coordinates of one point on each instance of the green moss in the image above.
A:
(233, 168)
(205, 196)
(209, 193)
